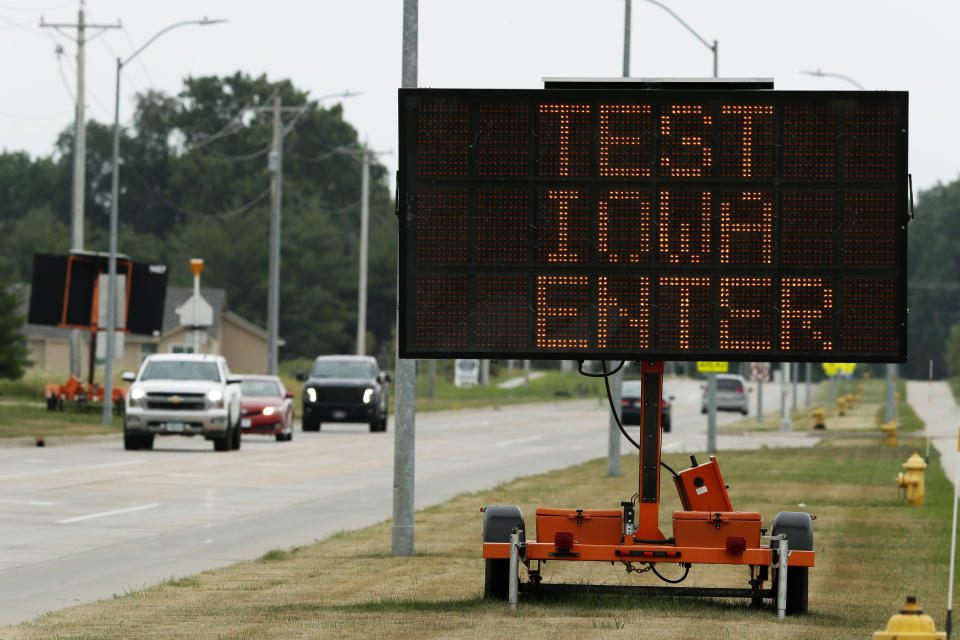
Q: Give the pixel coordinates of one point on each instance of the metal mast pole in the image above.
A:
(626, 39)
(364, 240)
(276, 196)
(404, 452)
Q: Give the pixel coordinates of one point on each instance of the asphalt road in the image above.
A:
(86, 521)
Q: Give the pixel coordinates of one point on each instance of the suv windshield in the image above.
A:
(342, 369)
(181, 370)
(259, 388)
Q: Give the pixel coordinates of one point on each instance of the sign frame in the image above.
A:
(408, 181)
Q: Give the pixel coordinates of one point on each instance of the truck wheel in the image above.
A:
(222, 444)
(665, 425)
(130, 441)
(310, 425)
(236, 436)
(499, 521)
(146, 442)
(799, 529)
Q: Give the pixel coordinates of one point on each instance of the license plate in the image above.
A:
(175, 426)
(339, 415)
(245, 422)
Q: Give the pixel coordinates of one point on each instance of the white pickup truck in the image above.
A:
(182, 394)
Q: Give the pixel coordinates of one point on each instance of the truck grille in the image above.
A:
(340, 394)
(176, 401)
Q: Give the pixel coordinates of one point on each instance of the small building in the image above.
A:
(243, 343)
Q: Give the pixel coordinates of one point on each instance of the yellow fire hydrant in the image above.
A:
(911, 480)
(841, 407)
(890, 430)
(850, 400)
(911, 623)
(819, 418)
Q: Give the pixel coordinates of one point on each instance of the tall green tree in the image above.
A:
(13, 344)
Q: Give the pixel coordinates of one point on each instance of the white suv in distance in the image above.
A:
(732, 394)
(182, 394)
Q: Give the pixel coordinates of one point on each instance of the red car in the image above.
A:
(267, 407)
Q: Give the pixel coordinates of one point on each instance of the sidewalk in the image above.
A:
(935, 405)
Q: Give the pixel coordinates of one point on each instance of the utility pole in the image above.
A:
(364, 241)
(79, 155)
(275, 164)
(404, 452)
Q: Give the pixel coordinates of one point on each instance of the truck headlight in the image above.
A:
(215, 398)
(311, 394)
(138, 397)
(367, 396)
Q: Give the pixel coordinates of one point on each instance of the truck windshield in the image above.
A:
(181, 370)
(342, 369)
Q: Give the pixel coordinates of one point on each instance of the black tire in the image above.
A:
(799, 529)
(131, 442)
(496, 580)
(146, 442)
(499, 521)
(236, 437)
(309, 424)
(665, 425)
(222, 444)
(703, 410)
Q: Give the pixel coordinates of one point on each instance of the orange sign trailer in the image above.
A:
(706, 531)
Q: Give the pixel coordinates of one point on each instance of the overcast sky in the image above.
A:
(328, 47)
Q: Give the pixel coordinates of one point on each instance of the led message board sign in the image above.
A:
(653, 224)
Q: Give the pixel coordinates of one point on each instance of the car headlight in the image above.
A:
(367, 396)
(137, 397)
(215, 397)
(269, 411)
(311, 394)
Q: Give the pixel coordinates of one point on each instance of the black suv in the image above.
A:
(345, 389)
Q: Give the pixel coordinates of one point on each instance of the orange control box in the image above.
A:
(588, 526)
(712, 528)
(701, 488)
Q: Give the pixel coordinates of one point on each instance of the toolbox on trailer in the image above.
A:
(588, 526)
(713, 528)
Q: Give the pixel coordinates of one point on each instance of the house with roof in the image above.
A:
(243, 343)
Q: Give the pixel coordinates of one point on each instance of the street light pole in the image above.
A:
(107, 416)
(713, 47)
(826, 74)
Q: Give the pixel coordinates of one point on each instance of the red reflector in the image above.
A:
(739, 389)
(563, 540)
(736, 545)
(665, 404)
(648, 554)
(625, 401)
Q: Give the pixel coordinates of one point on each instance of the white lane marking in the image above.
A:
(507, 443)
(109, 513)
(671, 446)
(34, 503)
(39, 472)
(208, 541)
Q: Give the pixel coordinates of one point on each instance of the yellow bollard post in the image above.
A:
(841, 407)
(850, 400)
(912, 623)
(819, 418)
(890, 430)
(911, 480)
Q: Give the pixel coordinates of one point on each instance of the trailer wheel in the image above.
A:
(499, 521)
(799, 529)
(496, 580)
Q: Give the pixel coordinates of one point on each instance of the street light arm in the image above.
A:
(825, 74)
(204, 22)
(696, 35)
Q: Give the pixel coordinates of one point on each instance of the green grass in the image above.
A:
(872, 551)
(19, 420)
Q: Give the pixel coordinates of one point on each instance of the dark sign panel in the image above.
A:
(64, 290)
(653, 224)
